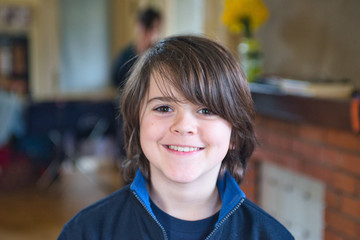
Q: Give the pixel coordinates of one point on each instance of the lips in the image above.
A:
(183, 148)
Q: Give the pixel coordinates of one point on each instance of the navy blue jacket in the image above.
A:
(126, 214)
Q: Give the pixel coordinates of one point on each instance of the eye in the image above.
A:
(163, 109)
(206, 111)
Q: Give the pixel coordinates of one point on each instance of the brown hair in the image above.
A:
(204, 73)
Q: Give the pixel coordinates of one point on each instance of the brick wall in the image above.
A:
(329, 155)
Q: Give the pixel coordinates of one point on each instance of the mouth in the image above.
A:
(183, 148)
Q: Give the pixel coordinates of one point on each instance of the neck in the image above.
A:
(194, 201)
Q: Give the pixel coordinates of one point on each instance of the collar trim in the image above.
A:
(230, 192)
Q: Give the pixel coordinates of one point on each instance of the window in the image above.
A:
(84, 48)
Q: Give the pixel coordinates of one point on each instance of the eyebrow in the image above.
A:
(162, 99)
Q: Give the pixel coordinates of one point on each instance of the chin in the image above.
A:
(182, 177)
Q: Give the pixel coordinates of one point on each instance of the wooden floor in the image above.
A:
(37, 213)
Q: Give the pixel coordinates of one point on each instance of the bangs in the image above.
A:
(189, 77)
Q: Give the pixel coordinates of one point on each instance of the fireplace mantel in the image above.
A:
(342, 114)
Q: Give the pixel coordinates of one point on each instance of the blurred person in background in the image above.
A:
(147, 30)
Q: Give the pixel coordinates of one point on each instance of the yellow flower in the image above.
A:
(236, 11)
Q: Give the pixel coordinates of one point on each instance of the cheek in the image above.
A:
(219, 135)
(150, 129)
(145, 128)
(146, 136)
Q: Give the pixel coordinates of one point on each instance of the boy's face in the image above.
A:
(184, 143)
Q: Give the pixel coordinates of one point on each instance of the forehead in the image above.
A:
(154, 89)
(160, 87)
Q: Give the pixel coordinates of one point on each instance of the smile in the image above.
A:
(183, 149)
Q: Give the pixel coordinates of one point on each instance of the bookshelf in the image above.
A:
(14, 47)
(14, 64)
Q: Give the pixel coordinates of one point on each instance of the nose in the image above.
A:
(184, 124)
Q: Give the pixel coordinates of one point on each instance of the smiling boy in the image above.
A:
(185, 145)
(188, 124)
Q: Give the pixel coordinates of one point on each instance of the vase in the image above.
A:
(250, 58)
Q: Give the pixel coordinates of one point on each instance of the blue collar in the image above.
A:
(229, 190)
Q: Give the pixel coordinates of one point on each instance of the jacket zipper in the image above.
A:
(147, 210)
(224, 219)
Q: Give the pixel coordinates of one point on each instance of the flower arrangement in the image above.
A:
(244, 15)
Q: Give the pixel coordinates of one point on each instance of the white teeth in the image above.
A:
(183, 149)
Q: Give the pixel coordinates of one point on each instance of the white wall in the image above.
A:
(185, 17)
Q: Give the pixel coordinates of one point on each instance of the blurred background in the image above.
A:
(60, 148)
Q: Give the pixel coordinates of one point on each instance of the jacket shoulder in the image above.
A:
(98, 217)
(109, 203)
(261, 224)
